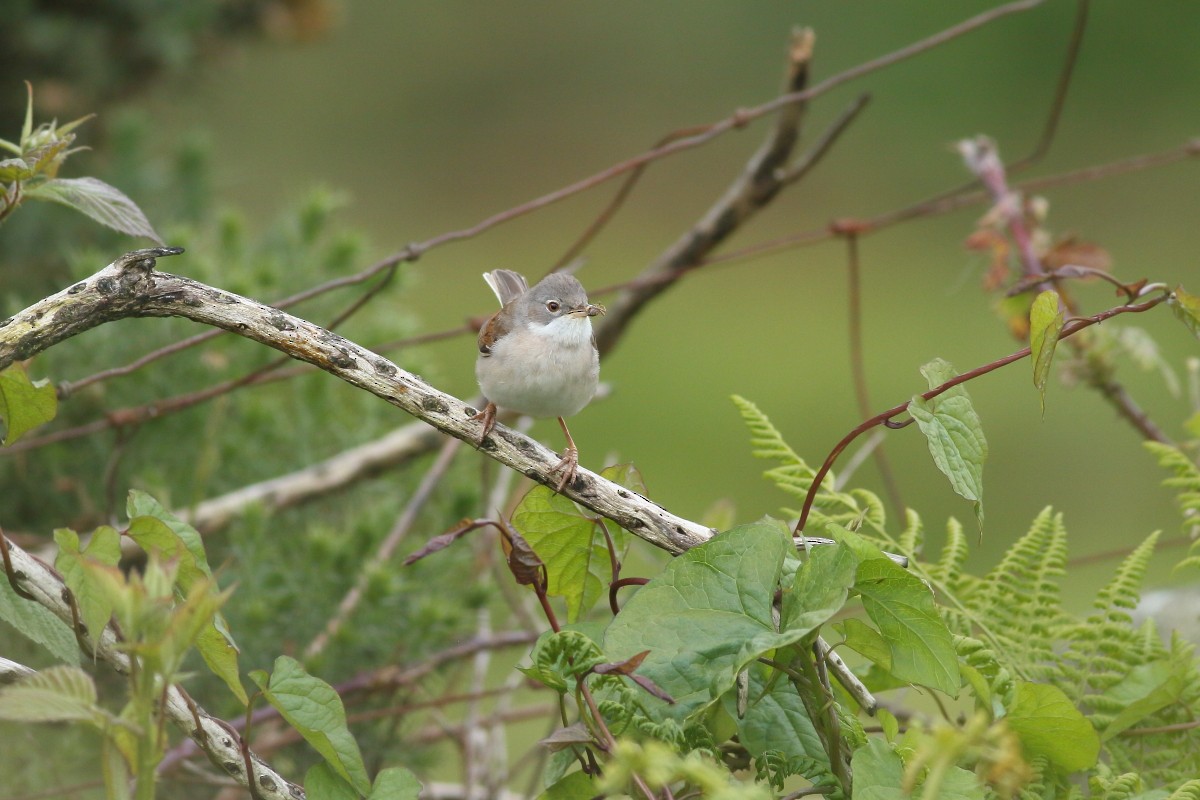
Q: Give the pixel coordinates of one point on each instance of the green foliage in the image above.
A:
(1045, 323)
(312, 707)
(31, 173)
(794, 476)
(1186, 483)
(954, 434)
(1187, 309)
(572, 541)
(24, 404)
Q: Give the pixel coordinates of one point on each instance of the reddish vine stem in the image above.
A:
(858, 367)
(884, 418)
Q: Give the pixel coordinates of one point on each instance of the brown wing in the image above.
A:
(493, 329)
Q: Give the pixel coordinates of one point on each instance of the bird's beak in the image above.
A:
(589, 310)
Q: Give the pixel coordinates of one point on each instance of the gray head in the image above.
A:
(558, 295)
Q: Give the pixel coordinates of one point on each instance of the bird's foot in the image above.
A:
(567, 465)
(488, 417)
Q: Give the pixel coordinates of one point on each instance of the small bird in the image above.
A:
(537, 354)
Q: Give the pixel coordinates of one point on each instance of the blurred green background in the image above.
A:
(429, 117)
(432, 116)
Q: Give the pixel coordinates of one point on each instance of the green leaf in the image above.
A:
(865, 640)
(105, 204)
(27, 125)
(775, 719)
(221, 656)
(153, 527)
(571, 544)
(922, 649)
(878, 772)
(576, 786)
(395, 783)
(38, 624)
(55, 694)
(1049, 726)
(15, 169)
(1045, 323)
(820, 587)
(1187, 308)
(93, 600)
(321, 782)
(1146, 689)
(955, 436)
(24, 404)
(141, 504)
(313, 708)
(707, 615)
(955, 783)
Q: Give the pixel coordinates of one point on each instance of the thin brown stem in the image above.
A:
(1070, 329)
(858, 365)
(1060, 91)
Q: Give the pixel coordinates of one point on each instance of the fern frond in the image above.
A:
(1186, 480)
(1124, 590)
(1188, 791)
(1018, 602)
(912, 538)
(764, 437)
(949, 567)
(1116, 787)
(857, 509)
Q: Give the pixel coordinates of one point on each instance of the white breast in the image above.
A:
(547, 371)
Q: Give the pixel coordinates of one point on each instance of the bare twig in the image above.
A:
(11, 671)
(949, 202)
(983, 159)
(386, 678)
(760, 180)
(1050, 128)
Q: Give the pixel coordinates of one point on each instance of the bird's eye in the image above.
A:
(553, 306)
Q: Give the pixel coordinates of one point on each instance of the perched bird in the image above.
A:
(537, 354)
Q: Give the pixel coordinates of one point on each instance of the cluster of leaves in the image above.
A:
(31, 173)
(162, 613)
(280, 598)
(732, 632)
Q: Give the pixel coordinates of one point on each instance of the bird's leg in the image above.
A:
(569, 460)
(488, 417)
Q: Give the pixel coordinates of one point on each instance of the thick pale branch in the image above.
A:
(335, 473)
(220, 742)
(131, 287)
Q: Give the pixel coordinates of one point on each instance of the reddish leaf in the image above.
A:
(524, 564)
(1071, 250)
(625, 667)
(442, 541)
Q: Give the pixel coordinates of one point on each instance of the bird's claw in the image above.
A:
(567, 464)
(488, 417)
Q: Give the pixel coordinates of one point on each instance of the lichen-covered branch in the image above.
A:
(132, 287)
